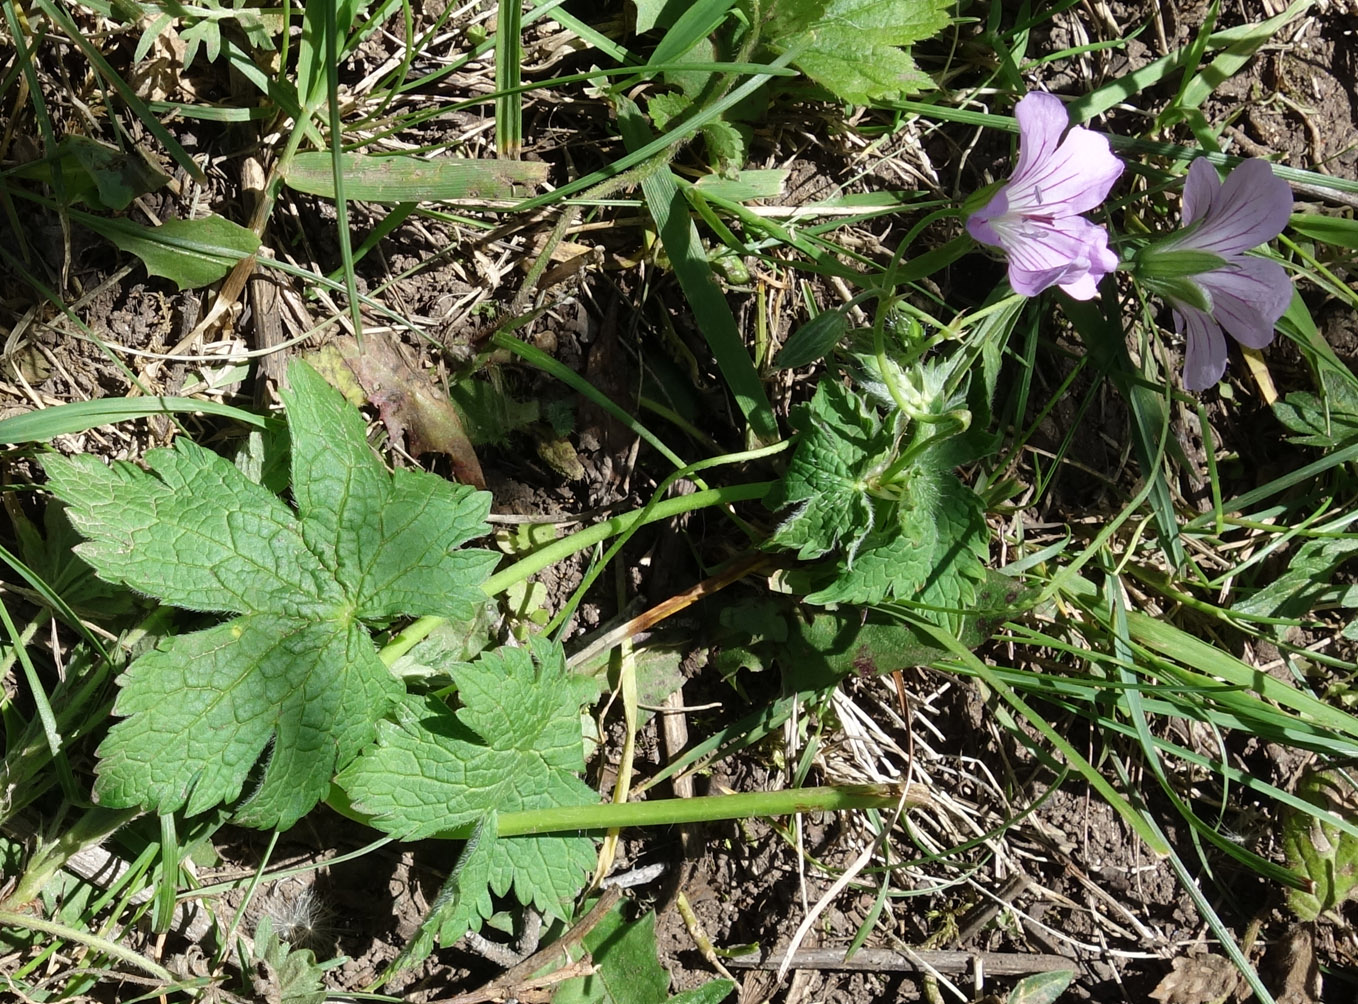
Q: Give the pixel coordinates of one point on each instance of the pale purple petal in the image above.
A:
(1101, 262)
(1034, 217)
(1200, 189)
(1248, 298)
(1041, 120)
(1086, 287)
(978, 223)
(1070, 252)
(1251, 207)
(1205, 357)
(1074, 179)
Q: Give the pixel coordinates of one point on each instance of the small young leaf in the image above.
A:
(1041, 988)
(665, 107)
(1320, 851)
(296, 673)
(190, 253)
(727, 144)
(628, 972)
(842, 439)
(813, 341)
(284, 974)
(100, 175)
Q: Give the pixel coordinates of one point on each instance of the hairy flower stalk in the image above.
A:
(1203, 271)
(1035, 217)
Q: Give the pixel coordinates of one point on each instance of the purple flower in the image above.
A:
(1237, 292)
(1036, 217)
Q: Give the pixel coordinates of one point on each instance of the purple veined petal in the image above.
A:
(1200, 188)
(1248, 298)
(1205, 356)
(1101, 262)
(1042, 255)
(1062, 252)
(978, 223)
(1073, 179)
(1086, 287)
(1251, 208)
(1041, 120)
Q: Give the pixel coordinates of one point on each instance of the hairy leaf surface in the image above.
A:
(294, 679)
(858, 49)
(515, 744)
(921, 537)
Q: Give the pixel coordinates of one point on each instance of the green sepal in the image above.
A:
(982, 197)
(1174, 263)
(1179, 289)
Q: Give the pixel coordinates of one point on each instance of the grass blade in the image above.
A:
(508, 63)
(79, 416)
(711, 312)
(368, 178)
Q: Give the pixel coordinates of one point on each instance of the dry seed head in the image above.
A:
(298, 917)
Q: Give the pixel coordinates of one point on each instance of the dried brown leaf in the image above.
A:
(415, 412)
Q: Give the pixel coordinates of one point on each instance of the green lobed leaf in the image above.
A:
(296, 675)
(1309, 576)
(667, 106)
(856, 49)
(462, 903)
(932, 551)
(1322, 422)
(392, 539)
(285, 974)
(52, 558)
(515, 744)
(175, 531)
(921, 538)
(818, 648)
